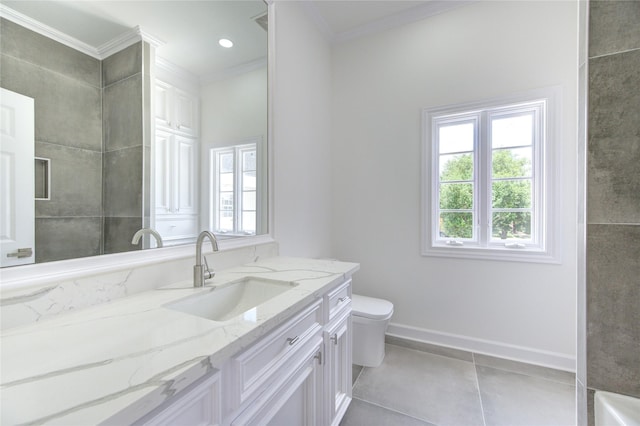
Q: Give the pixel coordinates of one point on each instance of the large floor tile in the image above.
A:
(429, 387)
(513, 399)
(361, 413)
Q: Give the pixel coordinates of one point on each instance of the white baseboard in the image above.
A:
(525, 354)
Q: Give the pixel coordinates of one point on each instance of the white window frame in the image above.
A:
(237, 150)
(544, 246)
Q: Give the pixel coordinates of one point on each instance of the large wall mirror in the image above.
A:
(148, 127)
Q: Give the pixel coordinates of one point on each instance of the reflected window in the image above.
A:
(234, 180)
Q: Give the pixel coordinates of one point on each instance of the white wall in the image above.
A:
(233, 110)
(380, 84)
(302, 123)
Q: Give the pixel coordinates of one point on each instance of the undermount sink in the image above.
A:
(233, 299)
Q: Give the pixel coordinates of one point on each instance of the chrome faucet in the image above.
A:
(141, 232)
(202, 272)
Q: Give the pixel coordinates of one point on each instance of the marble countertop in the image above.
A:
(116, 362)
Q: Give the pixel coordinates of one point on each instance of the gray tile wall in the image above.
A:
(93, 122)
(613, 202)
(66, 86)
(125, 85)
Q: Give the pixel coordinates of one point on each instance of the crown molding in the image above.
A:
(47, 31)
(107, 49)
(408, 16)
(311, 10)
(125, 40)
(414, 14)
(175, 72)
(234, 71)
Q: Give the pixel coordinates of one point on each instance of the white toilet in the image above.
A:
(370, 320)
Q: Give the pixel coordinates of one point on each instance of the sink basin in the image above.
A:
(233, 299)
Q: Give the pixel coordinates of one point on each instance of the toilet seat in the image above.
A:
(370, 307)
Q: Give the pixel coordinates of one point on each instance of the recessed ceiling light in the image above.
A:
(225, 43)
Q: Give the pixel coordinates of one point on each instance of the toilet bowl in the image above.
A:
(370, 320)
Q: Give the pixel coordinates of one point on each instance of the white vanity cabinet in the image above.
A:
(338, 344)
(176, 109)
(296, 397)
(199, 406)
(297, 374)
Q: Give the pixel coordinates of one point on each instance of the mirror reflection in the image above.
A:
(147, 127)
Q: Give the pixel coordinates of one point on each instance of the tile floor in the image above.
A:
(420, 384)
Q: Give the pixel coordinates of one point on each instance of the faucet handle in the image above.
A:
(207, 273)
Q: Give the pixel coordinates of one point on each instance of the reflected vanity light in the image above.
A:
(226, 43)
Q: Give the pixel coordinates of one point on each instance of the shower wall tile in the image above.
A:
(122, 108)
(122, 64)
(614, 139)
(123, 183)
(613, 27)
(29, 46)
(68, 112)
(67, 238)
(591, 418)
(118, 232)
(613, 292)
(76, 182)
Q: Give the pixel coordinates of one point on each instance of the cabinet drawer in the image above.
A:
(200, 405)
(177, 228)
(253, 369)
(338, 298)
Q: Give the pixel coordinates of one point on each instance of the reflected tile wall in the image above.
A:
(613, 202)
(66, 86)
(123, 163)
(67, 238)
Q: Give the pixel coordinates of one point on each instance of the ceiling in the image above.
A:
(190, 30)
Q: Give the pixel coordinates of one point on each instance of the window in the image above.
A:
(234, 187)
(489, 177)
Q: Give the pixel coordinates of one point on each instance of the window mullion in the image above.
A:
(483, 205)
(237, 188)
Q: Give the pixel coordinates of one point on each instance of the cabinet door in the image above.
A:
(163, 104)
(162, 163)
(297, 401)
(339, 387)
(186, 112)
(184, 179)
(200, 406)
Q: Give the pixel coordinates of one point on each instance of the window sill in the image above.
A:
(494, 254)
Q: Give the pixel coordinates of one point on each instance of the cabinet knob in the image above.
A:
(334, 339)
(293, 340)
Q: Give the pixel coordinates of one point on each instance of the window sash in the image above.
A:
(482, 178)
(242, 217)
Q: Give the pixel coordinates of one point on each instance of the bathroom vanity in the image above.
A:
(266, 342)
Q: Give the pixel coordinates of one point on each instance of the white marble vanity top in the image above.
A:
(116, 362)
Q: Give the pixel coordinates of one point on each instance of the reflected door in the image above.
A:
(17, 214)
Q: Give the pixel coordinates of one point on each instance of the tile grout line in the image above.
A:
(475, 369)
(394, 410)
